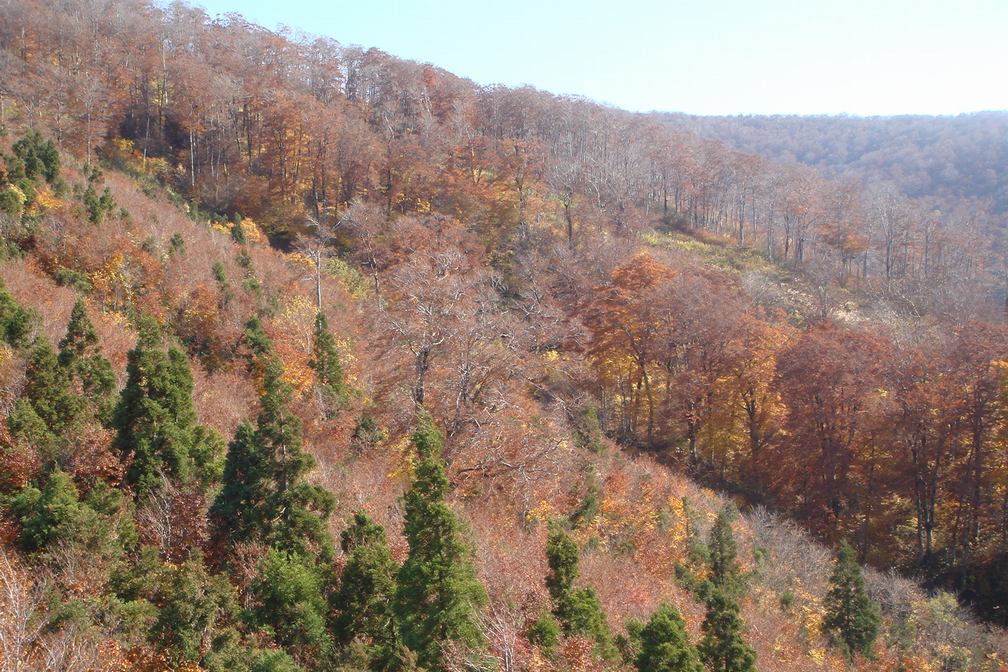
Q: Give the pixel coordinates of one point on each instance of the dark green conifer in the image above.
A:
(296, 509)
(29, 430)
(49, 394)
(722, 647)
(363, 601)
(265, 495)
(273, 660)
(545, 633)
(155, 418)
(15, 321)
(325, 361)
(80, 356)
(197, 615)
(664, 644)
(53, 513)
(438, 595)
(238, 510)
(578, 609)
(255, 339)
(851, 616)
(723, 553)
(290, 601)
(40, 156)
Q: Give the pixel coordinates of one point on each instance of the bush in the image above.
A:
(545, 633)
(291, 603)
(12, 201)
(40, 157)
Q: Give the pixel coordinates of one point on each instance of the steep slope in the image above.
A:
(579, 311)
(636, 520)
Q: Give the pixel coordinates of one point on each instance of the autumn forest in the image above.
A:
(313, 358)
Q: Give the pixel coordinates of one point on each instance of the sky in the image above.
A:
(857, 57)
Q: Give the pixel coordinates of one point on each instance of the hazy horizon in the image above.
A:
(722, 58)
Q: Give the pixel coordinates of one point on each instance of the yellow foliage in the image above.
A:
(542, 512)
(406, 465)
(251, 231)
(110, 280)
(301, 259)
(18, 194)
(124, 145)
(45, 199)
(293, 341)
(248, 227)
(818, 655)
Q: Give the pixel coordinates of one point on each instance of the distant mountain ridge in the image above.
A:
(951, 160)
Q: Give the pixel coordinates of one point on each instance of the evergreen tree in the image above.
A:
(80, 356)
(725, 570)
(664, 644)
(273, 660)
(239, 509)
(155, 418)
(325, 362)
(363, 601)
(195, 622)
(851, 616)
(29, 431)
(722, 647)
(255, 339)
(49, 394)
(53, 513)
(296, 509)
(578, 609)
(438, 595)
(291, 603)
(15, 321)
(545, 633)
(562, 556)
(265, 494)
(40, 157)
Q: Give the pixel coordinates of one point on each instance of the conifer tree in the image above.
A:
(664, 644)
(723, 553)
(363, 601)
(290, 601)
(255, 339)
(48, 410)
(53, 513)
(40, 158)
(851, 616)
(722, 647)
(239, 509)
(265, 495)
(80, 356)
(155, 418)
(296, 509)
(15, 321)
(29, 431)
(47, 387)
(325, 362)
(196, 618)
(578, 609)
(438, 595)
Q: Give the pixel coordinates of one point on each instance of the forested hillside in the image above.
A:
(947, 162)
(316, 359)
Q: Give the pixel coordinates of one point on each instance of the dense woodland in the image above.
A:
(945, 162)
(318, 359)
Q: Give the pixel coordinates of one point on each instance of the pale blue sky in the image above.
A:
(698, 56)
